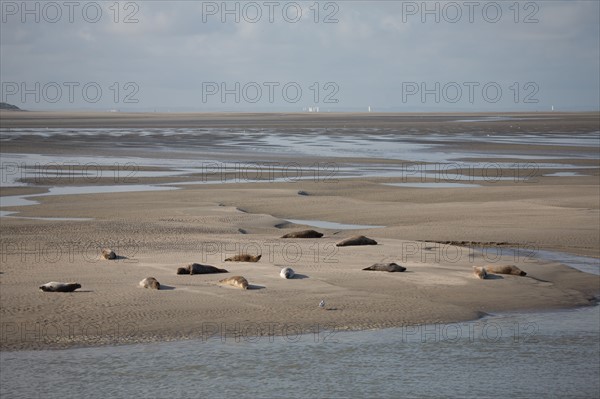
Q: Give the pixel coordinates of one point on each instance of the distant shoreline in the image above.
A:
(59, 119)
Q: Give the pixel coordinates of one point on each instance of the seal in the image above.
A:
(244, 258)
(356, 240)
(303, 234)
(386, 267)
(506, 269)
(54, 286)
(150, 282)
(286, 272)
(480, 272)
(197, 268)
(236, 281)
(108, 254)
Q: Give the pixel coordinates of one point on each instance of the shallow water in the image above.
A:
(23, 200)
(539, 354)
(433, 185)
(125, 169)
(323, 224)
(329, 143)
(563, 174)
(586, 264)
(552, 354)
(13, 214)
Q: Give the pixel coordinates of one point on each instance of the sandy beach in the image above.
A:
(205, 222)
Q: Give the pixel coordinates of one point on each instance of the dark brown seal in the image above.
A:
(197, 268)
(108, 253)
(357, 240)
(244, 258)
(54, 286)
(506, 269)
(303, 234)
(386, 267)
(480, 272)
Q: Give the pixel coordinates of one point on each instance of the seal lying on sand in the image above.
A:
(386, 267)
(506, 269)
(357, 240)
(108, 253)
(197, 268)
(286, 272)
(244, 258)
(150, 282)
(53, 286)
(480, 272)
(236, 281)
(303, 234)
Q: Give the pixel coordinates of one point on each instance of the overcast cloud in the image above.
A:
(180, 54)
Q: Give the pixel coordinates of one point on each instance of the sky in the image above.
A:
(287, 56)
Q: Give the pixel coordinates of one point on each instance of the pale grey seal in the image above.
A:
(150, 282)
(286, 272)
(236, 281)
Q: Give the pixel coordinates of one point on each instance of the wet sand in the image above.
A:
(157, 232)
